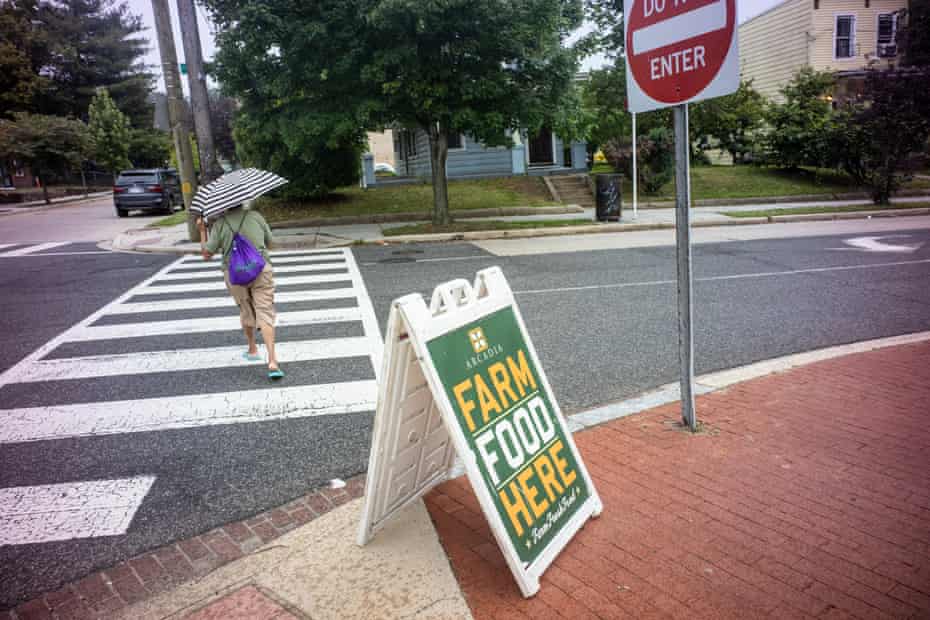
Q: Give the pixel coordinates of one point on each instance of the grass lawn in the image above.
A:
(811, 210)
(708, 182)
(470, 226)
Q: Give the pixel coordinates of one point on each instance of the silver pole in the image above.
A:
(635, 149)
(683, 240)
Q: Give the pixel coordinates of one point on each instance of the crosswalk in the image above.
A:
(127, 369)
(51, 248)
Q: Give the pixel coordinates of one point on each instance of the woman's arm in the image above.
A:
(207, 254)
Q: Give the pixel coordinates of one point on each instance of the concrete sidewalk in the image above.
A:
(174, 239)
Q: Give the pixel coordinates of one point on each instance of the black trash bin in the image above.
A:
(607, 197)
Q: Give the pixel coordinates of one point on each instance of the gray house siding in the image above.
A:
(474, 160)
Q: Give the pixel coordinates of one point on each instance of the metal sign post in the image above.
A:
(683, 249)
(635, 155)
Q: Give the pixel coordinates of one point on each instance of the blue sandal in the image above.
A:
(276, 375)
(252, 358)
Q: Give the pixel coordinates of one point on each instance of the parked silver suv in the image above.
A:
(155, 189)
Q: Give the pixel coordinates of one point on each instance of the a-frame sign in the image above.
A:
(462, 377)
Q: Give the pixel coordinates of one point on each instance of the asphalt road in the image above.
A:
(603, 322)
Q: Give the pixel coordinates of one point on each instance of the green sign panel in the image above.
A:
(508, 420)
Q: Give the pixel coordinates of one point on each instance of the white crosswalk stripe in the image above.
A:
(31, 249)
(185, 299)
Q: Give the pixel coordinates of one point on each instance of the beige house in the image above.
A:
(844, 36)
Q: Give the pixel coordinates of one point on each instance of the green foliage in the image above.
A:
(23, 53)
(295, 145)
(606, 37)
(797, 128)
(223, 112)
(873, 139)
(655, 163)
(914, 34)
(317, 73)
(731, 123)
(49, 145)
(149, 148)
(604, 100)
(109, 133)
(65, 50)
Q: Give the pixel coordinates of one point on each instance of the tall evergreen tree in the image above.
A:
(65, 50)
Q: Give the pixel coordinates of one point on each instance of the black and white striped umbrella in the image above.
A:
(232, 189)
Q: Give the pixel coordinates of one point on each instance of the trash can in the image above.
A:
(607, 197)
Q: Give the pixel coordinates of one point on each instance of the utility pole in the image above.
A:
(197, 80)
(176, 112)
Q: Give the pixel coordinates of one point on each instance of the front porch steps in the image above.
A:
(571, 189)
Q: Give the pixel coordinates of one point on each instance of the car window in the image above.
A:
(131, 178)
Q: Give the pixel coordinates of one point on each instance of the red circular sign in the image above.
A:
(675, 48)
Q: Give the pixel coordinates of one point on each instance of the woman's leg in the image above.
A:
(262, 290)
(243, 298)
(249, 332)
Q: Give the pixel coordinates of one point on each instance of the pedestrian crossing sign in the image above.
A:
(462, 378)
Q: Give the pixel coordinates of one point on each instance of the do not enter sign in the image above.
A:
(679, 51)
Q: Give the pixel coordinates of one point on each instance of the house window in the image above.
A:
(887, 29)
(456, 142)
(844, 36)
(410, 144)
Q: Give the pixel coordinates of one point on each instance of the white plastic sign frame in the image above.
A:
(412, 329)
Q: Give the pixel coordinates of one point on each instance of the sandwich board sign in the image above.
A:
(679, 51)
(461, 377)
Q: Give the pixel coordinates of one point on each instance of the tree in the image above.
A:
(149, 148)
(731, 122)
(797, 128)
(874, 138)
(71, 48)
(914, 34)
(223, 112)
(109, 133)
(447, 66)
(655, 158)
(24, 51)
(49, 145)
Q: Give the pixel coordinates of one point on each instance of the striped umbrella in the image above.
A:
(232, 189)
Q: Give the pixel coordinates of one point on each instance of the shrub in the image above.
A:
(655, 161)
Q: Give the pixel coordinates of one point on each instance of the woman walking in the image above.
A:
(256, 297)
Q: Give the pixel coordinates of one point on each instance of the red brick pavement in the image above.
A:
(103, 594)
(808, 495)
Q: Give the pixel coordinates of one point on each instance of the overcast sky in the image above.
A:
(747, 10)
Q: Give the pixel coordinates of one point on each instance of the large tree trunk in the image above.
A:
(438, 154)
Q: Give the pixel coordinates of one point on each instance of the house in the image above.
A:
(842, 36)
(542, 154)
(381, 145)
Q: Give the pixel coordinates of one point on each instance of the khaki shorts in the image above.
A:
(255, 300)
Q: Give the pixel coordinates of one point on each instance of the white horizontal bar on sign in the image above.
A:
(218, 275)
(707, 18)
(176, 360)
(196, 326)
(46, 513)
(191, 411)
(225, 301)
(34, 248)
(219, 285)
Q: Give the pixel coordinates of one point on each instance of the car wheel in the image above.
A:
(169, 205)
(121, 213)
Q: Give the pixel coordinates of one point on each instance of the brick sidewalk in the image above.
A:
(808, 495)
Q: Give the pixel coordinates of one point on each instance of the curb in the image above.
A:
(105, 593)
(424, 216)
(618, 227)
(21, 209)
(112, 590)
(526, 233)
(731, 202)
(720, 380)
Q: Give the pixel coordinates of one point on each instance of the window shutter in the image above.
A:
(852, 37)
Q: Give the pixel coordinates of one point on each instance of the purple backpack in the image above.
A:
(245, 262)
